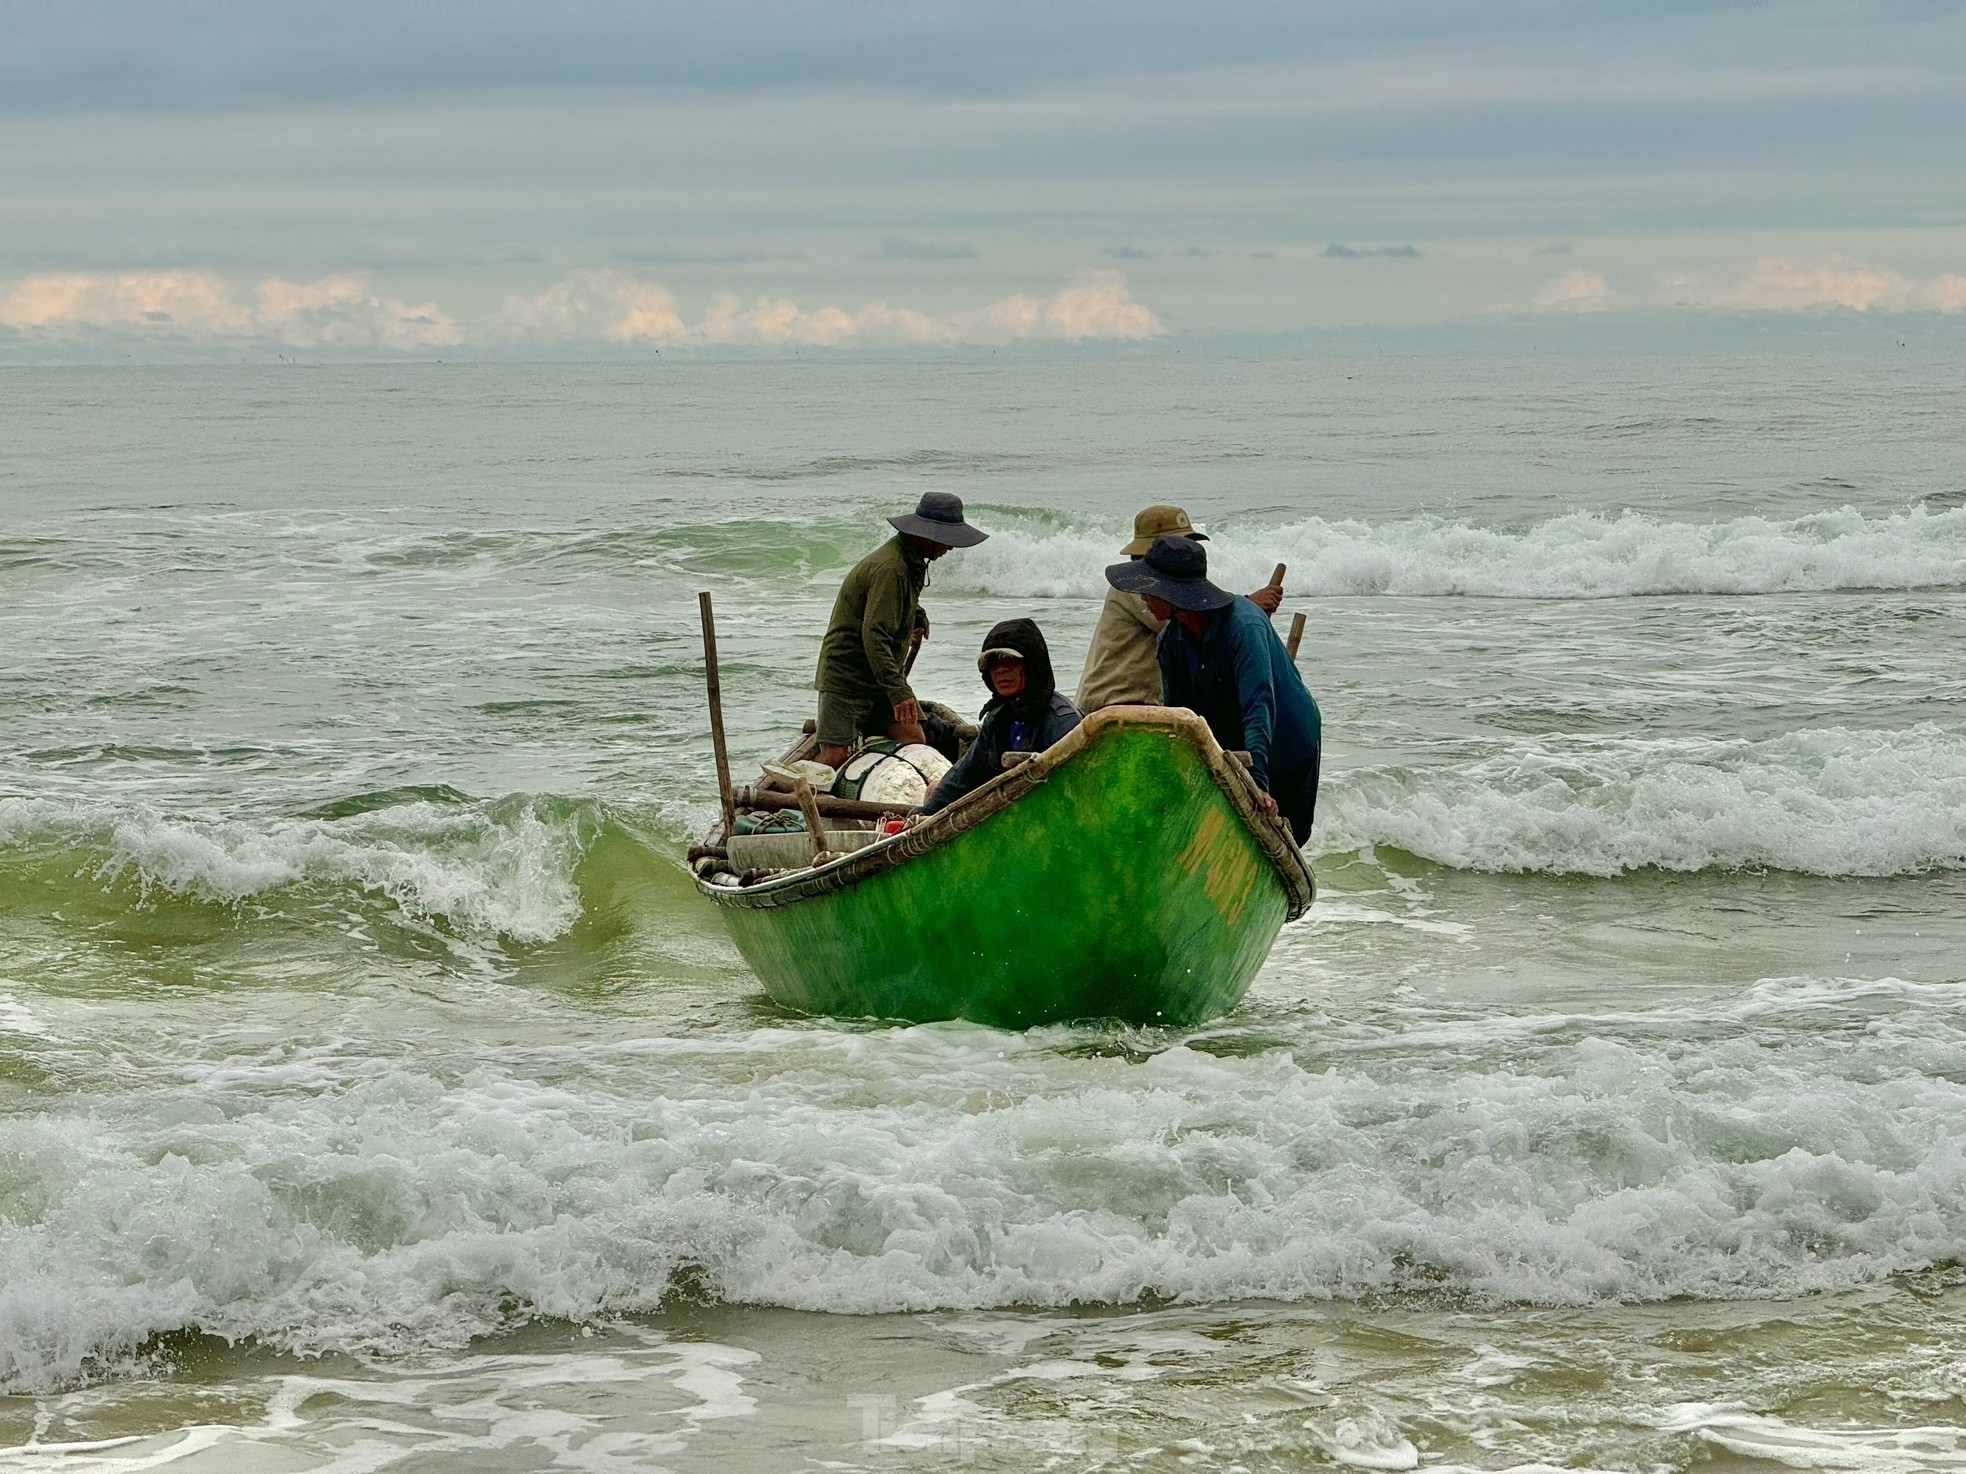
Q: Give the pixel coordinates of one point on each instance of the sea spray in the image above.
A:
(1578, 555)
(1786, 1141)
(1825, 801)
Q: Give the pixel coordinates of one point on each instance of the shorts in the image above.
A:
(844, 720)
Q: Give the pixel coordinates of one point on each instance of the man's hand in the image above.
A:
(907, 723)
(1266, 803)
(1269, 598)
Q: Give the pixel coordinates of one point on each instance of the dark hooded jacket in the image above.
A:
(1028, 722)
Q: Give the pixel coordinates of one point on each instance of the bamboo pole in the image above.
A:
(1276, 579)
(716, 690)
(808, 803)
(1296, 635)
(838, 808)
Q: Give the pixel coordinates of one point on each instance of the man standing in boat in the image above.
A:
(1121, 668)
(1220, 658)
(877, 619)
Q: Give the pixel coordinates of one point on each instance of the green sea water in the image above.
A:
(375, 1092)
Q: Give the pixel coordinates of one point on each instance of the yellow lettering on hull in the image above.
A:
(1223, 859)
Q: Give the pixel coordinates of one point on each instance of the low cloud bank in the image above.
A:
(600, 306)
(201, 307)
(1765, 284)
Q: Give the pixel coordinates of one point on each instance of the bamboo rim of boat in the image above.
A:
(1272, 836)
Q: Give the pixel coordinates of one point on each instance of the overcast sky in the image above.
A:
(448, 178)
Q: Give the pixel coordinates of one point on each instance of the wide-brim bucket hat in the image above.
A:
(1175, 569)
(1160, 521)
(939, 518)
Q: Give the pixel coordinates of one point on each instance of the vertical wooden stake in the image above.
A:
(717, 714)
(1296, 635)
(809, 806)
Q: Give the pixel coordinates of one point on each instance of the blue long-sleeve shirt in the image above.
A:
(1242, 682)
(998, 734)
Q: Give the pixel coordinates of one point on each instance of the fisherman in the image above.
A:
(1120, 668)
(1220, 658)
(1025, 713)
(877, 620)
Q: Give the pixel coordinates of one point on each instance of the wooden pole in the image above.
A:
(716, 690)
(1276, 579)
(1296, 635)
(808, 803)
(838, 808)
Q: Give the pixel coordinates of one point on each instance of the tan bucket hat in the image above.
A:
(1157, 522)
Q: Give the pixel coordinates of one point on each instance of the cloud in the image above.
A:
(1127, 253)
(900, 248)
(1785, 284)
(1338, 250)
(202, 308)
(598, 304)
(1766, 284)
(1575, 291)
(614, 307)
(1554, 248)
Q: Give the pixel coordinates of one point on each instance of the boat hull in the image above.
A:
(1123, 879)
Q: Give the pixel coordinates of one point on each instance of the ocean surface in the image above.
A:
(376, 1094)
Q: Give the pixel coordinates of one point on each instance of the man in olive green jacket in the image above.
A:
(1121, 668)
(877, 619)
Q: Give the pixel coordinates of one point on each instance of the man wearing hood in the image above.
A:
(877, 619)
(1025, 712)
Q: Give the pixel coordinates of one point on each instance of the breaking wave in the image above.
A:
(1795, 1138)
(485, 871)
(1578, 556)
(1828, 801)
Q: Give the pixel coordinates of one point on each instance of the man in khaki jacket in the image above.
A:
(1120, 668)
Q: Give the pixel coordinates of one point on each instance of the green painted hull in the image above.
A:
(1124, 875)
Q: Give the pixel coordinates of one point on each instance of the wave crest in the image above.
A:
(485, 871)
(1829, 801)
(1582, 555)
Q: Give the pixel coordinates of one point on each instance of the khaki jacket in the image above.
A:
(1121, 668)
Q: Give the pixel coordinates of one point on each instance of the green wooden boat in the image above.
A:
(1126, 873)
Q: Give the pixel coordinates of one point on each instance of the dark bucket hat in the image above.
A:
(1175, 569)
(939, 518)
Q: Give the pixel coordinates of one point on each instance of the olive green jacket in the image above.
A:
(879, 607)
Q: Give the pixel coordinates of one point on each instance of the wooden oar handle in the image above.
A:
(1276, 579)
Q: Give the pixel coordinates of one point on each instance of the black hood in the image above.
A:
(1027, 640)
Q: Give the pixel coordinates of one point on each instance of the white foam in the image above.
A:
(1797, 1139)
(1581, 555)
(15, 1017)
(1761, 1436)
(1828, 801)
(487, 870)
(536, 1411)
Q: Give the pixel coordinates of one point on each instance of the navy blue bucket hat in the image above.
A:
(1175, 569)
(939, 518)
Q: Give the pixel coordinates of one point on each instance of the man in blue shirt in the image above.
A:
(1220, 658)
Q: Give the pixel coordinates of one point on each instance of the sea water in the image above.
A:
(376, 1093)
